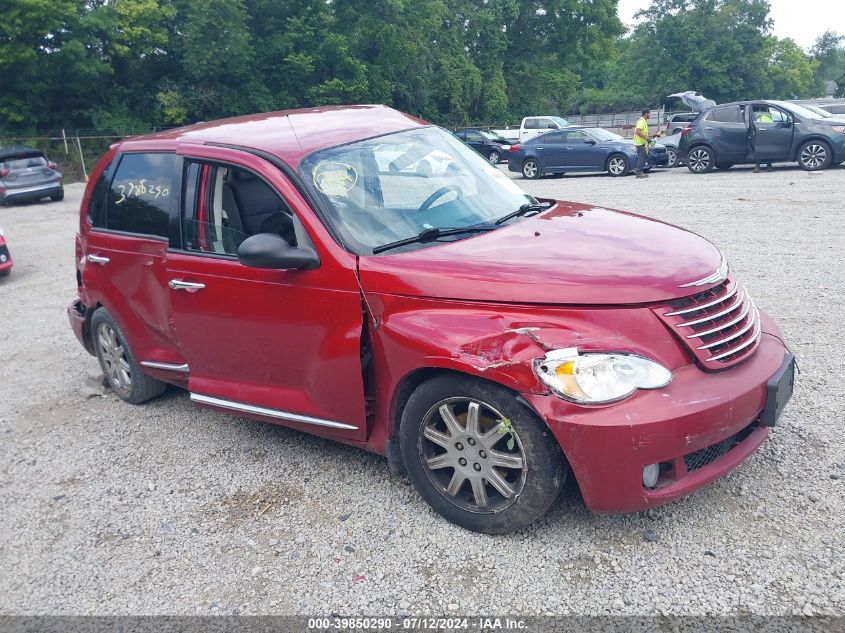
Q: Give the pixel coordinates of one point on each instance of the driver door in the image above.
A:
(282, 345)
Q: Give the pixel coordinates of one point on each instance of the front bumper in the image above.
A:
(6, 261)
(35, 192)
(693, 418)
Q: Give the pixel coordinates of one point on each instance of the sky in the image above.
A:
(802, 20)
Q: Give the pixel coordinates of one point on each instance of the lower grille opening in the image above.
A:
(709, 454)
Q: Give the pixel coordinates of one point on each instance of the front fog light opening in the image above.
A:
(651, 473)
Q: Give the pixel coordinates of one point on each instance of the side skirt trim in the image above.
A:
(183, 369)
(272, 413)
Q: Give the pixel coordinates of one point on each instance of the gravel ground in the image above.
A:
(167, 509)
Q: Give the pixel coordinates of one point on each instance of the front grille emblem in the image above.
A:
(718, 276)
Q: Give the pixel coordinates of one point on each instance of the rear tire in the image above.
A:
(494, 157)
(814, 155)
(531, 169)
(118, 363)
(701, 160)
(618, 165)
(59, 196)
(449, 428)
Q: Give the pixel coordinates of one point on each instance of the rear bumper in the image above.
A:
(708, 421)
(31, 193)
(6, 261)
(77, 316)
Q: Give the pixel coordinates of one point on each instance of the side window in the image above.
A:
(532, 124)
(547, 124)
(768, 114)
(552, 137)
(725, 115)
(224, 205)
(140, 195)
(474, 136)
(99, 195)
(576, 137)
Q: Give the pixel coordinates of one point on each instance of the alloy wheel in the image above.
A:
(672, 155)
(530, 169)
(493, 157)
(114, 358)
(616, 166)
(699, 159)
(472, 455)
(813, 156)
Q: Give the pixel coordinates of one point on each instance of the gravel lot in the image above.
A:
(167, 509)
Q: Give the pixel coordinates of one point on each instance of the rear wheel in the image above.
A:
(701, 160)
(531, 169)
(618, 165)
(58, 196)
(814, 155)
(118, 363)
(494, 157)
(477, 456)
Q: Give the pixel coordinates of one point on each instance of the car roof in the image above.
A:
(19, 150)
(289, 134)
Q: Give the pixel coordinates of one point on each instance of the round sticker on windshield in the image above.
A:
(335, 179)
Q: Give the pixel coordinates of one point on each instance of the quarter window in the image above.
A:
(140, 196)
(99, 195)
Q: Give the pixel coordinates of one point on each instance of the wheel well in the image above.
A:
(87, 331)
(814, 138)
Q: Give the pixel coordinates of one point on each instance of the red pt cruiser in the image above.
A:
(358, 274)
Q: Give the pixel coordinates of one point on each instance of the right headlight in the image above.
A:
(598, 378)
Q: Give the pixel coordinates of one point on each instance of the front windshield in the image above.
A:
(394, 187)
(559, 121)
(603, 136)
(798, 110)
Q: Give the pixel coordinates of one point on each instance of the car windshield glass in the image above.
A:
(559, 121)
(798, 110)
(603, 136)
(394, 187)
(490, 137)
(822, 113)
(22, 162)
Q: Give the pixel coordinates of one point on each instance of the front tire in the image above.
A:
(118, 363)
(701, 160)
(531, 169)
(462, 458)
(618, 165)
(494, 157)
(814, 155)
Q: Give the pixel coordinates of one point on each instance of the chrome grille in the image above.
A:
(720, 326)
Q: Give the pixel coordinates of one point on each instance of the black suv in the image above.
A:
(762, 131)
(489, 145)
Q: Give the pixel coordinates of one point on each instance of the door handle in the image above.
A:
(538, 148)
(98, 259)
(190, 286)
(708, 128)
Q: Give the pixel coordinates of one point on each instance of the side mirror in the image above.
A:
(551, 126)
(589, 141)
(268, 250)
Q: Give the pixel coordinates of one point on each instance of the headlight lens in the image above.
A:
(838, 128)
(597, 378)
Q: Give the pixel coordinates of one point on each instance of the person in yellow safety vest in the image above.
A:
(763, 117)
(641, 139)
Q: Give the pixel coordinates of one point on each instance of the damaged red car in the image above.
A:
(359, 274)
(6, 262)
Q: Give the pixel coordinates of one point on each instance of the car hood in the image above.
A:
(570, 254)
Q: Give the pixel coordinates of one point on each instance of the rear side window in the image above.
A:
(725, 115)
(141, 192)
(532, 124)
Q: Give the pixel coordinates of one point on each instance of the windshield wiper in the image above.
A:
(523, 210)
(430, 235)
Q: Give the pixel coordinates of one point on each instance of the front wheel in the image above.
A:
(118, 363)
(618, 165)
(494, 157)
(672, 156)
(477, 456)
(701, 160)
(531, 169)
(814, 155)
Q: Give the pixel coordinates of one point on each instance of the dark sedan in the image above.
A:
(750, 132)
(579, 149)
(26, 174)
(489, 145)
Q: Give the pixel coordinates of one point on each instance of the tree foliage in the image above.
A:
(117, 64)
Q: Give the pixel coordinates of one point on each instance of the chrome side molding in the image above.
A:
(182, 369)
(271, 413)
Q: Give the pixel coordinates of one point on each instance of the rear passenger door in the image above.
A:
(727, 132)
(283, 345)
(124, 262)
(551, 150)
